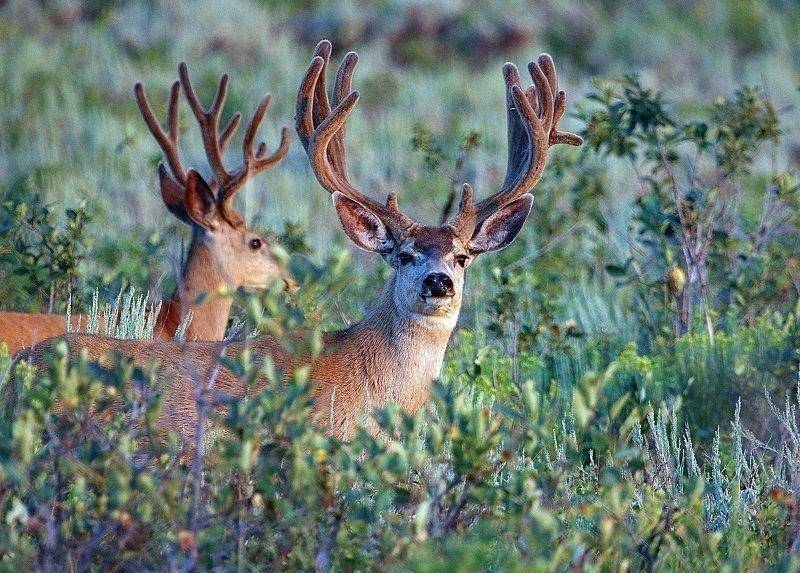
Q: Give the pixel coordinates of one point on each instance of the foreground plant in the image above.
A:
(698, 187)
(92, 483)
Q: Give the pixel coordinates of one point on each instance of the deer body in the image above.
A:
(387, 357)
(19, 330)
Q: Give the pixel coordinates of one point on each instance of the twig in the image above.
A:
(322, 560)
(202, 391)
(546, 247)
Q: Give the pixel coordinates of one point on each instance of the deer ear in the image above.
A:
(363, 226)
(502, 227)
(200, 202)
(172, 194)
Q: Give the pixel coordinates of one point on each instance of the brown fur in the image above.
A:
(396, 351)
(392, 355)
(384, 358)
(22, 330)
(205, 272)
(19, 329)
(219, 256)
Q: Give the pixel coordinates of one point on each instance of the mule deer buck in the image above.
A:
(223, 252)
(395, 352)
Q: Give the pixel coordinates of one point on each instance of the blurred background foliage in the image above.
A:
(662, 254)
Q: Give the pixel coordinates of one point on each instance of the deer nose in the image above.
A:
(438, 285)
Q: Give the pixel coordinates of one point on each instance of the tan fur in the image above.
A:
(392, 355)
(219, 262)
(220, 257)
(19, 329)
(396, 351)
(386, 357)
(206, 271)
(22, 330)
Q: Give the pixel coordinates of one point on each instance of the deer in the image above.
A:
(224, 254)
(396, 351)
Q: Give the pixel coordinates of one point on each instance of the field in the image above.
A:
(621, 391)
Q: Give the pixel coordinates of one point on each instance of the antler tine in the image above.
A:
(168, 141)
(266, 161)
(321, 107)
(464, 221)
(544, 91)
(321, 130)
(322, 163)
(518, 151)
(258, 161)
(304, 108)
(318, 108)
(209, 121)
(548, 69)
(215, 142)
(229, 131)
(533, 116)
(341, 89)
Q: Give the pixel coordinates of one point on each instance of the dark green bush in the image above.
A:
(39, 257)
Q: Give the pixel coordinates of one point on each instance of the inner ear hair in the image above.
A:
(500, 229)
(173, 194)
(200, 201)
(362, 225)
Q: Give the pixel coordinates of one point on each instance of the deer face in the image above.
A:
(429, 272)
(231, 253)
(246, 258)
(430, 262)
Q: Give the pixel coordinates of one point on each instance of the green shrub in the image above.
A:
(91, 482)
(602, 403)
(40, 258)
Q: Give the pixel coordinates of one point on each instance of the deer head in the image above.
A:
(234, 254)
(430, 261)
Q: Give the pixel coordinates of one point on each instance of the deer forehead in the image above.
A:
(434, 242)
(232, 219)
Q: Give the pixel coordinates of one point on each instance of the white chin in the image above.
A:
(443, 307)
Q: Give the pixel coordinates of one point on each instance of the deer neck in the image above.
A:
(204, 275)
(391, 356)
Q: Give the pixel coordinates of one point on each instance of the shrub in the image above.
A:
(92, 483)
(39, 259)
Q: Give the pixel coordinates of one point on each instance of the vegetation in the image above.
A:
(621, 392)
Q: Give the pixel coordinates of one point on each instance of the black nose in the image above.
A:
(437, 284)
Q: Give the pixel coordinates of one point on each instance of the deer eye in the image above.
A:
(462, 260)
(255, 244)
(404, 258)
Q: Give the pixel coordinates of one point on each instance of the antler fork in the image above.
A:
(168, 141)
(225, 183)
(320, 123)
(215, 142)
(533, 116)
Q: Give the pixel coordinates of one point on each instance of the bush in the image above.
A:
(39, 259)
(91, 482)
(602, 401)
